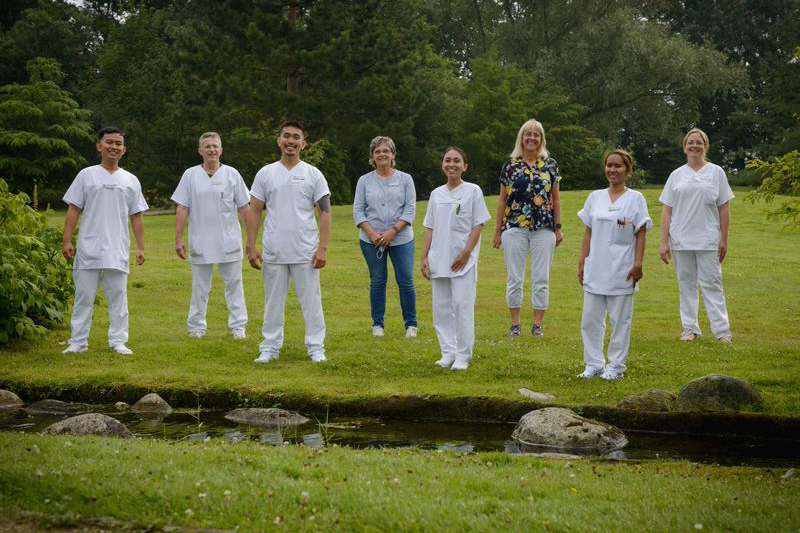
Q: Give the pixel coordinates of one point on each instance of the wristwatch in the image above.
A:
(558, 225)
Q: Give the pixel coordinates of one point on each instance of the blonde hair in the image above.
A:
(703, 136)
(377, 141)
(627, 158)
(532, 124)
(208, 134)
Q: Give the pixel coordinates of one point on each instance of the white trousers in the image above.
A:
(517, 242)
(276, 287)
(115, 289)
(454, 314)
(593, 329)
(693, 267)
(234, 295)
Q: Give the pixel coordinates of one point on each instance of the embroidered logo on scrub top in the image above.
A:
(111, 186)
(297, 178)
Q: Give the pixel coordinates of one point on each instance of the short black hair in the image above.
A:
(293, 123)
(109, 129)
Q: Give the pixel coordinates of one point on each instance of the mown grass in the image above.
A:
(760, 277)
(263, 488)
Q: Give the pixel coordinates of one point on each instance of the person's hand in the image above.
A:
(580, 272)
(387, 237)
(254, 257)
(425, 267)
(460, 262)
(635, 274)
(664, 253)
(320, 258)
(68, 249)
(375, 238)
(139, 257)
(497, 240)
(559, 237)
(180, 248)
(722, 251)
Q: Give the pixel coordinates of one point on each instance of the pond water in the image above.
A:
(452, 436)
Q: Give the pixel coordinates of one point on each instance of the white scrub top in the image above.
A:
(452, 215)
(613, 246)
(695, 198)
(290, 231)
(107, 200)
(214, 232)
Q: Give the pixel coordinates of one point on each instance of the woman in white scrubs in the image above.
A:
(453, 223)
(610, 266)
(694, 230)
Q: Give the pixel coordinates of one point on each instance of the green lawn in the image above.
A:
(290, 488)
(760, 277)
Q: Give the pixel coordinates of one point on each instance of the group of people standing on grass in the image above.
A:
(694, 230)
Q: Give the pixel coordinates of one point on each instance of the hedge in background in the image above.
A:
(34, 277)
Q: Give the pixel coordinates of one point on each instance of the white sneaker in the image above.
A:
(590, 373)
(197, 334)
(239, 334)
(75, 348)
(122, 349)
(688, 335)
(318, 357)
(445, 362)
(411, 331)
(460, 364)
(377, 331)
(264, 357)
(610, 374)
(726, 338)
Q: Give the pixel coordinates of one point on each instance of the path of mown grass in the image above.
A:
(760, 277)
(262, 488)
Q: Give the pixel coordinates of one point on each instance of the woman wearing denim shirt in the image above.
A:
(383, 209)
(528, 220)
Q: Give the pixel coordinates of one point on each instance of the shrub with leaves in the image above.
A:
(35, 281)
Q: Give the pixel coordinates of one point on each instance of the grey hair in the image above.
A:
(208, 134)
(377, 141)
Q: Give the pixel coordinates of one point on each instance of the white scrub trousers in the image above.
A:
(234, 295)
(593, 329)
(454, 315)
(276, 287)
(115, 284)
(516, 243)
(693, 267)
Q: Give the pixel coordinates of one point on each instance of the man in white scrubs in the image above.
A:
(293, 247)
(210, 194)
(107, 196)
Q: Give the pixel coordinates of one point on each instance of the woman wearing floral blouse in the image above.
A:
(528, 221)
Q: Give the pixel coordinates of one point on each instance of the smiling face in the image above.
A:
(383, 155)
(617, 171)
(111, 147)
(453, 165)
(695, 146)
(291, 141)
(211, 150)
(531, 141)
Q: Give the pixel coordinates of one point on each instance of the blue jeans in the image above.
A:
(403, 263)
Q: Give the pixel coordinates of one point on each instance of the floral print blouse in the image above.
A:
(529, 202)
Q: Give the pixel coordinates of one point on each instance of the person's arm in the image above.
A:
(636, 272)
(253, 222)
(320, 257)
(724, 226)
(70, 221)
(137, 222)
(244, 213)
(462, 258)
(181, 212)
(426, 248)
(500, 216)
(666, 219)
(586, 247)
(556, 197)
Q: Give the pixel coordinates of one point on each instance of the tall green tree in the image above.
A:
(42, 129)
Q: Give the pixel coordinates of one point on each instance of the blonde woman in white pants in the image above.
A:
(453, 223)
(610, 266)
(694, 230)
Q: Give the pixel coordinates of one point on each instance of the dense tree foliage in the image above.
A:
(597, 73)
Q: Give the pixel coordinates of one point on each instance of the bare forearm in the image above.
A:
(181, 212)
(70, 221)
(586, 245)
(724, 221)
(474, 237)
(501, 208)
(640, 245)
(666, 220)
(426, 243)
(324, 228)
(137, 222)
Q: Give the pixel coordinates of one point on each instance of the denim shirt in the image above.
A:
(382, 201)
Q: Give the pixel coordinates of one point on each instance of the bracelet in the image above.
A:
(395, 228)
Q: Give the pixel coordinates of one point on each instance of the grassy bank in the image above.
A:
(759, 276)
(257, 488)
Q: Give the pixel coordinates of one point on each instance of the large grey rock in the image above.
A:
(151, 403)
(717, 392)
(90, 424)
(268, 417)
(556, 427)
(57, 407)
(9, 399)
(649, 400)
